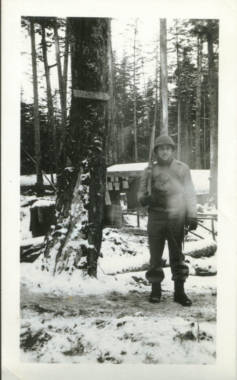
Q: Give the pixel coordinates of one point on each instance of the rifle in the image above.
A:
(150, 162)
(153, 133)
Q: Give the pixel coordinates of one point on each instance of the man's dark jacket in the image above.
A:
(172, 193)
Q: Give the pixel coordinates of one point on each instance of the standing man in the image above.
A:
(171, 203)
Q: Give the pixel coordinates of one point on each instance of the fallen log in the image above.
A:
(208, 249)
(133, 230)
(205, 272)
(31, 249)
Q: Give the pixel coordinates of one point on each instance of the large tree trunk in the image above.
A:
(80, 201)
(213, 118)
(163, 78)
(198, 106)
(39, 183)
(51, 119)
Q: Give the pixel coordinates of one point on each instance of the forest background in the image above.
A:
(191, 55)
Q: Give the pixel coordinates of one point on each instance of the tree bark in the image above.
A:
(163, 78)
(80, 200)
(39, 183)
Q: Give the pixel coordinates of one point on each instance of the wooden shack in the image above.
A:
(122, 187)
(124, 178)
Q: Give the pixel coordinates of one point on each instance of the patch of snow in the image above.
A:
(119, 326)
(131, 219)
(26, 200)
(204, 264)
(43, 203)
(123, 168)
(30, 180)
(78, 283)
(138, 340)
(197, 245)
(141, 333)
(32, 241)
(25, 232)
(122, 252)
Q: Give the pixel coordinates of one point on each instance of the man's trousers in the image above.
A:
(161, 229)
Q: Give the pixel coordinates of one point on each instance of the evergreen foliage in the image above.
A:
(132, 82)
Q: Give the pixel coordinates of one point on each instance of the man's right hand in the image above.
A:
(150, 200)
(145, 200)
(149, 169)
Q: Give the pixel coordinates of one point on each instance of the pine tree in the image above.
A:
(39, 183)
(163, 78)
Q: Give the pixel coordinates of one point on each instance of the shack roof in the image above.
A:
(200, 177)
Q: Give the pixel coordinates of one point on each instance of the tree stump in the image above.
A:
(41, 218)
(113, 216)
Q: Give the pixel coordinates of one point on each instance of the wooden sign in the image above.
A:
(91, 95)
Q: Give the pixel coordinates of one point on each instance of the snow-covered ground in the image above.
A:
(109, 319)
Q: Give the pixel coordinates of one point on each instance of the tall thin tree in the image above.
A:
(178, 92)
(113, 130)
(198, 104)
(51, 118)
(39, 182)
(61, 154)
(65, 63)
(135, 94)
(163, 77)
(213, 115)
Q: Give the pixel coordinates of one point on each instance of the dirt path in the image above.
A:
(115, 304)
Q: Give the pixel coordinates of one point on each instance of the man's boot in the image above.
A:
(155, 292)
(179, 294)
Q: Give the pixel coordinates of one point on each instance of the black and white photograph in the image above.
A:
(120, 161)
(119, 128)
